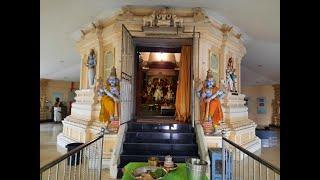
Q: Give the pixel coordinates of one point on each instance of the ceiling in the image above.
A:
(259, 21)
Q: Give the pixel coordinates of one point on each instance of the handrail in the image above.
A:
(126, 76)
(70, 153)
(255, 157)
(125, 122)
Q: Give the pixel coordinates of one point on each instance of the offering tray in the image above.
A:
(147, 173)
(161, 164)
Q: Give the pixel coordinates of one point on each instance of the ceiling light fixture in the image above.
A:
(161, 56)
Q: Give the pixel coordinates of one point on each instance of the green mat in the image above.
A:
(179, 174)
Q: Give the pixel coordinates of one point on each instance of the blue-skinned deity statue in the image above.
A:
(91, 64)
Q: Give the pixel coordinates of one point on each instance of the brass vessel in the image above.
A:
(153, 161)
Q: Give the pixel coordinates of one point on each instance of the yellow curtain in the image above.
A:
(184, 85)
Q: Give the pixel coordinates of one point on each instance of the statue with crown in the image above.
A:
(210, 107)
(110, 92)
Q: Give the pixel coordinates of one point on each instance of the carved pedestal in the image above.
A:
(241, 129)
(83, 124)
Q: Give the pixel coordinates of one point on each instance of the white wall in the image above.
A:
(252, 93)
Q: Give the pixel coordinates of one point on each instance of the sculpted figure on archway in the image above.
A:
(91, 64)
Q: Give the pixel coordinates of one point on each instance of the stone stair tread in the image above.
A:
(153, 132)
(159, 141)
(155, 143)
(145, 140)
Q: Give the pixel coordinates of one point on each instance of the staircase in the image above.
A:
(143, 140)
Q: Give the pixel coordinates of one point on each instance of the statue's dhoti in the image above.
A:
(215, 111)
(91, 75)
(107, 109)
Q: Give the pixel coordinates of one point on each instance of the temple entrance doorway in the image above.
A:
(158, 63)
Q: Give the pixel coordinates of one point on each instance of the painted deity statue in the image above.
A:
(170, 94)
(231, 76)
(149, 87)
(158, 94)
(110, 97)
(91, 64)
(210, 96)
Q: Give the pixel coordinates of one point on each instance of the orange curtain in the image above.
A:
(184, 85)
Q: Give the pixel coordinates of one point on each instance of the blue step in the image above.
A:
(160, 137)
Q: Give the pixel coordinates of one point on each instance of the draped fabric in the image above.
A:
(108, 108)
(214, 109)
(184, 85)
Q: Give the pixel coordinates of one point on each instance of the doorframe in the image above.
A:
(194, 66)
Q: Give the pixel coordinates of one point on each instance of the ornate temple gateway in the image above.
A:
(162, 64)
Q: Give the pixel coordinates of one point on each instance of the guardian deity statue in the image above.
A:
(91, 64)
(210, 96)
(110, 98)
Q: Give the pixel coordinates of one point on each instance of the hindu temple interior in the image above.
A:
(130, 90)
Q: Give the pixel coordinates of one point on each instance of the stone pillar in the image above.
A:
(276, 106)
(196, 73)
(238, 70)
(239, 128)
(81, 85)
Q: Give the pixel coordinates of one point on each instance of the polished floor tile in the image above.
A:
(270, 149)
(48, 142)
(50, 151)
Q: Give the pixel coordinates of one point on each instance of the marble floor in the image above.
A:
(48, 142)
(49, 150)
(270, 150)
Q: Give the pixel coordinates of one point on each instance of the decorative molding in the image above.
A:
(198, 15)
(162, 17)
(226, 28)
(126, 12)
(238, 36)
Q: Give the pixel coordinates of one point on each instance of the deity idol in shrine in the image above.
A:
(170, 94)
(158, 94)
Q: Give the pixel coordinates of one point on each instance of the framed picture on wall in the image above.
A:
(108, 63)
(261, 105)
(214, 64)
(57, 95)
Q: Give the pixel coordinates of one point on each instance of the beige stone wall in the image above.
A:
(252, 93)
(49, 87)
(61, 87)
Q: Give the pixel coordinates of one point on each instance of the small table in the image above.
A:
(179, 174)
(167, 111)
